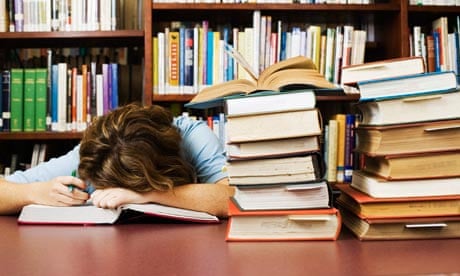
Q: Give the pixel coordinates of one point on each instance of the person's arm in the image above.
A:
(210, 198)
(14, 196)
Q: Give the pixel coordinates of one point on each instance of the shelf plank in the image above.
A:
(46, 135)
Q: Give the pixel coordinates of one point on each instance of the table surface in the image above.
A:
(201, 249)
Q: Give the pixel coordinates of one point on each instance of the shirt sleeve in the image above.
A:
(63, 165)
(202, 149)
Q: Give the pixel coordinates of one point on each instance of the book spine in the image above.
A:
(17, 99)
(340, 147)
(41, 101)
(115, 96)
(6, 106)
(173, 48)
(349, 147)
(332, 151)
(29, 99)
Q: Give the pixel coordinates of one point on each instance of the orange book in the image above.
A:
(365, 206)
(279, 225)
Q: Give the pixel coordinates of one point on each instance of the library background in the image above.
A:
(66, 62)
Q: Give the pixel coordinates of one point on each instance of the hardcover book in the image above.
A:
(438, 106)
(283, 225)
(380, 188)
(258, 127)
(414, 166)
(17, 99)
(402, 228)
(90, 214)
(411, 85)
(364, 205)
(282, 196)
(419, 137)
(387, 68)
(273, 148)
(274, 170)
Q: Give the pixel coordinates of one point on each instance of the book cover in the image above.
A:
(89, 214)
(41, 98)
(283, 225)
(17, 99)
(258, 127)
(417, 84)
(365, 206)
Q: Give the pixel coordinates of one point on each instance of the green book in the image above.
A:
(41, 98)
(17, 99)
(29, 99)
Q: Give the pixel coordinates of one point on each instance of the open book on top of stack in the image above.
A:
(291, 74)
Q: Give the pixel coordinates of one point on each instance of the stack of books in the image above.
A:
(273, 146)
(408, 185)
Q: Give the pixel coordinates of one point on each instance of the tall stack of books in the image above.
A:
(272, 142)
(408, 186)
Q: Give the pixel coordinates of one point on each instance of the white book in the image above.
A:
(347, 45)
(99, 95)
(62, 97)
(161, 63)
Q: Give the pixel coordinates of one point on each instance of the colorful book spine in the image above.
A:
(41, 101)
(340, 146)
(349, 147)
(115, 96)
(29, 99)
(17, 99)
(6, 106)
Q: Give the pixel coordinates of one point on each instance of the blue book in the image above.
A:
(114, 71)
(437, 52)
(349, 147)
(410, 85)
(54, 94)
(188, 58)
(181, 57)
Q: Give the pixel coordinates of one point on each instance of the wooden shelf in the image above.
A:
(42, 136)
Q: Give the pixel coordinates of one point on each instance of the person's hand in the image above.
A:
(60, 191)
(113, 197)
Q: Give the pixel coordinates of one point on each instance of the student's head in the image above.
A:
(135, 147)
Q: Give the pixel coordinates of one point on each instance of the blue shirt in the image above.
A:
(200, 145)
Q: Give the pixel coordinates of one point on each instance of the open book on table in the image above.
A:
(90, 214)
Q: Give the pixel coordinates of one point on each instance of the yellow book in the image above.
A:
(332, 151)
(340, 118)
(173, 48)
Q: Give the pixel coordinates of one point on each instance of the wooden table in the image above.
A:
(195, 249)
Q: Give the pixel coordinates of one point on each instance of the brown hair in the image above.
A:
(135, 147)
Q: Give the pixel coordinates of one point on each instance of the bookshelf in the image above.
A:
(127, 35)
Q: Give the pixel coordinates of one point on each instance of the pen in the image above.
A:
(71, 187)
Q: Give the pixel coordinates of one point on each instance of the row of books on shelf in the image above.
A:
(74, 15)
(434, 2)
(38, 156)
(270, 1)
(189, 57)
(439, 46)
(63, 99)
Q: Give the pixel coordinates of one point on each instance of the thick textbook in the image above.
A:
(402, 228)
(282, 196)
(414, 166)
(279, 225)
(90, 214)
(437, 106)
(269, 102)
(258, 127)
(379, 187)
(387, 68)
(411, 85)
(364, 205)
(294, 169)
(431, 136)
(288, 74)
(273, 148)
